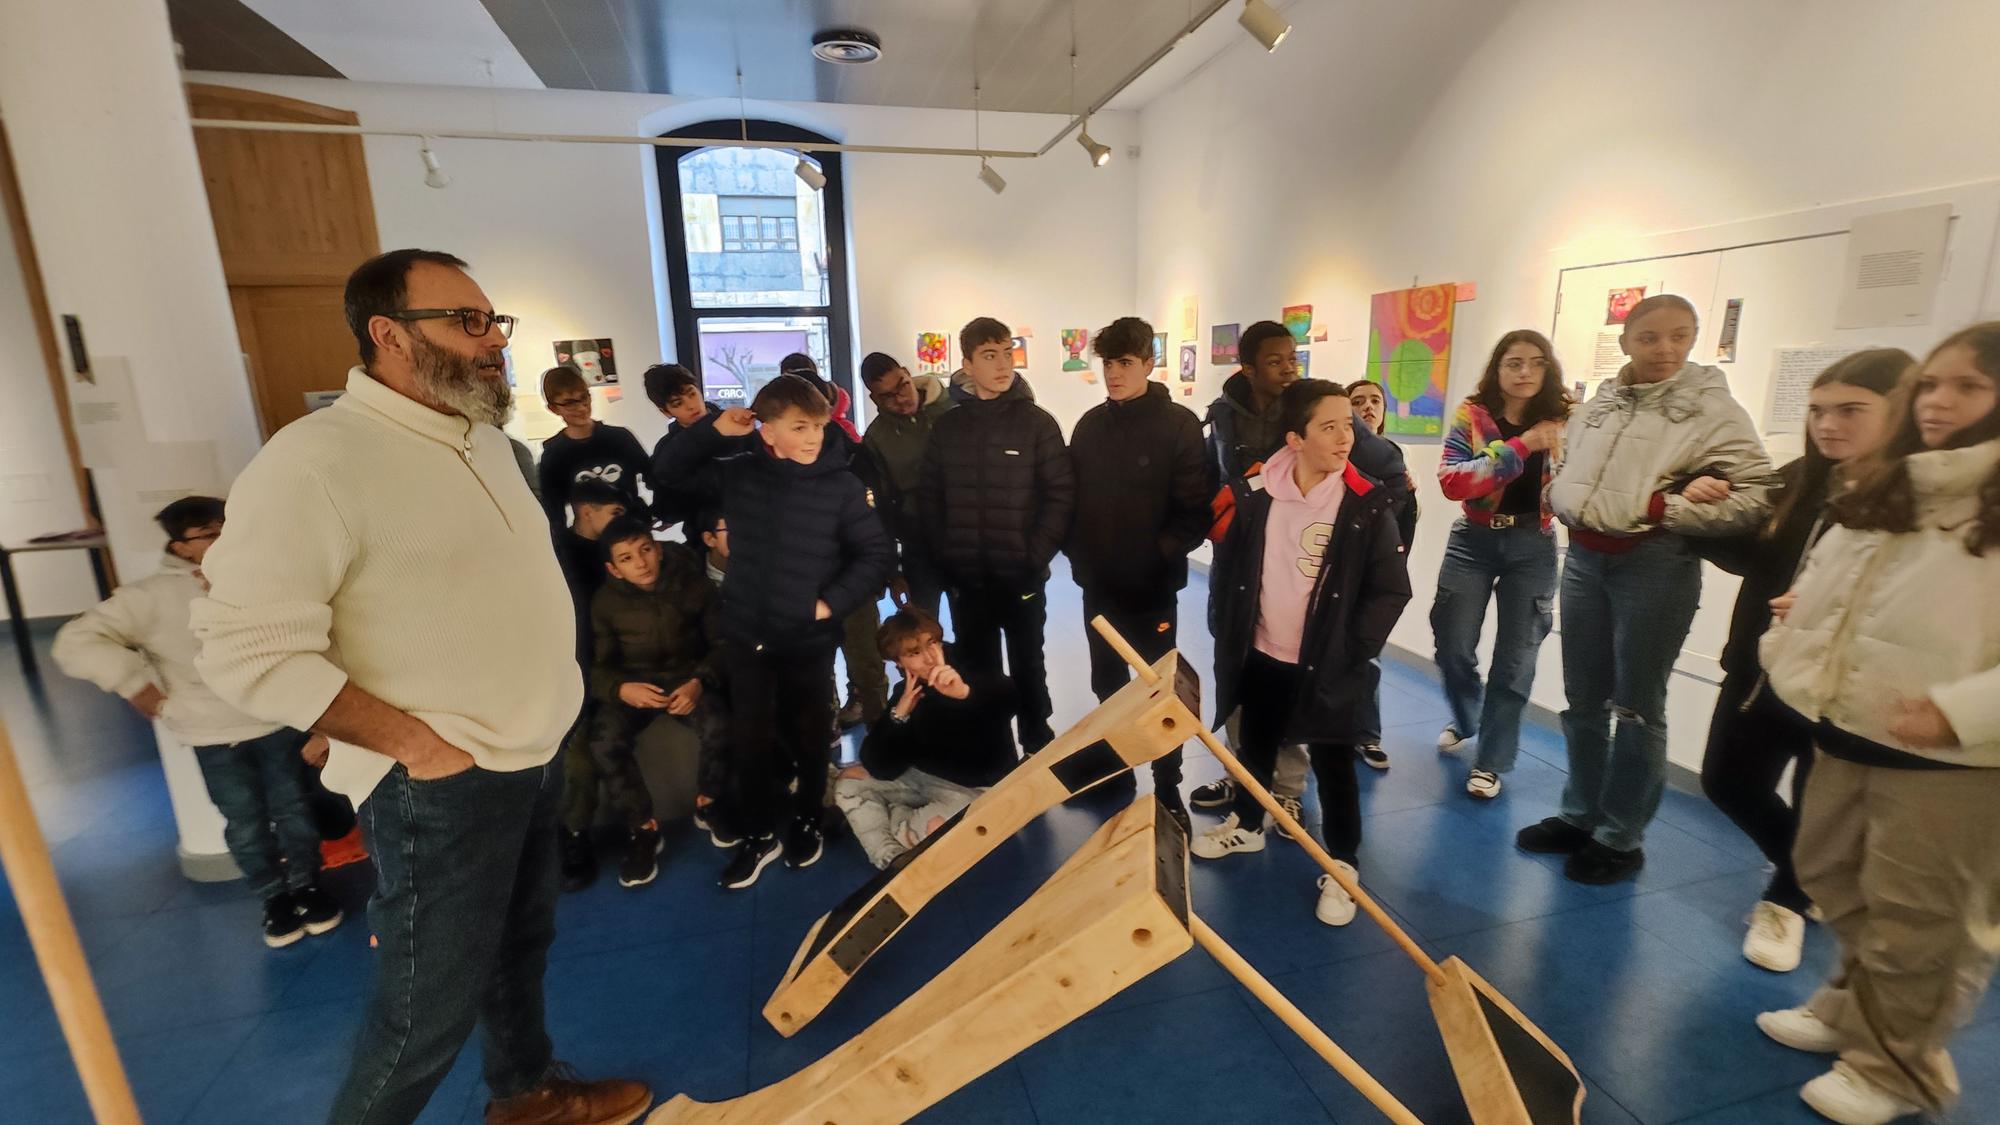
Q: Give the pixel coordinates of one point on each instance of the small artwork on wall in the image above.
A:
(592, 357)
(1222, 345)
(1074, 341)
(933, 353)
(1409, 354)
(1190, 357)
(1305, 363)
(1618, 303)
(1299, 321)
(1159, 349)
(1020, 353)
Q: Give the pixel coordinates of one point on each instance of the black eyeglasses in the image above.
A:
(476, 322)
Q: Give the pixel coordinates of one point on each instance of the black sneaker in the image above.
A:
(750, 859)
(1598, 866)
(642, 857)
(1373, 756)
(1554, 836)
(282, 924)
(803, 842)
(579, 859)
(1217, 794)
(316, 909)
(719, 832)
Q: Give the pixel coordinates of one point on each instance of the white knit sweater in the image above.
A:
(381, 541)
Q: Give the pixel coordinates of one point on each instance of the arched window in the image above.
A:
(756, 259)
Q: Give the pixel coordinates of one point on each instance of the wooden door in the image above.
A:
(293, 216)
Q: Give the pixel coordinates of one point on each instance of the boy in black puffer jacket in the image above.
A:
(994, 502)
(1143, 486)
(943, 740)
(652, 654)
(805, 549)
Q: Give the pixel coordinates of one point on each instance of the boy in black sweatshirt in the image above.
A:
(676, 393)
(1143, 487)
(944, 739)
(586, 449)
(652, 655)
(805, 550)
(994, 502)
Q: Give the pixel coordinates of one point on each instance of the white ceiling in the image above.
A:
(693, 47)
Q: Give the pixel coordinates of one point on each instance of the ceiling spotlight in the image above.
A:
(810, 173)
(1264, 22)
(846, 45)
(1100, 154)
(991, 178)
(434, 173)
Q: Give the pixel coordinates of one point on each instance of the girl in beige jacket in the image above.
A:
(1889, 643)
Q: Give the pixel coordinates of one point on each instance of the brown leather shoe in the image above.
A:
(564, 1098)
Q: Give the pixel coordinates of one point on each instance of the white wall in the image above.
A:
(1482, 141)
(37, 492)
(565, 236)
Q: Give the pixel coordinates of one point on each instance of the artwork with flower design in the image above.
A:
(1074, 340)
(1409, 354)
(933, 353)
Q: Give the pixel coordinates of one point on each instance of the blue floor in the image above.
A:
(1641, 983)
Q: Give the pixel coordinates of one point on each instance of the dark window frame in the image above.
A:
(838, 310)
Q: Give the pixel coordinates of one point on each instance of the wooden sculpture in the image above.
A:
(1116, 911)
(1143, 721)
(1508, 1071)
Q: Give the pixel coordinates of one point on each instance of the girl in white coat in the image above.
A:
(1889, 643)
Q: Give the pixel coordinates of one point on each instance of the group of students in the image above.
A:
(1863, 654)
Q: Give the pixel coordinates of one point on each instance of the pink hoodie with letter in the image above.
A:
(1296, 535)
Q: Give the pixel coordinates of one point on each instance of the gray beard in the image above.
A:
(454, 383)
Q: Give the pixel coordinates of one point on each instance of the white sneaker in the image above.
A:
(1800, 1030)
(1293, 809)
(1227, 838)
(1776, 938)
(1844, 1096)
(1483, 784)
(1449, 740)
(1336, 906)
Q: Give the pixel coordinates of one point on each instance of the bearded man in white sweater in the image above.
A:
(386, 579)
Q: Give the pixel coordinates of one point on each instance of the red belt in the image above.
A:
(1610, 544)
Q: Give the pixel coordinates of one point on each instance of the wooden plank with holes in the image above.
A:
(1115, 912)
(1142, 722)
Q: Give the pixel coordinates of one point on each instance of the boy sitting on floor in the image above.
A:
(653, 655)
(944, 739)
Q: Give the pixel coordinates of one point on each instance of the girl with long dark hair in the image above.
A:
(1499, 457)
(1754, 738)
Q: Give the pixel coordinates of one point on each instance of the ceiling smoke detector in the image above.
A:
(846, 45)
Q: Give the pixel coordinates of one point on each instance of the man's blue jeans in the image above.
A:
(463, 915)
(1624, 618)
(259, 786)
(1517, 568)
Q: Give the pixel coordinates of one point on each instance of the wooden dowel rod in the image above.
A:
(1302, 1026)
(25, 855)
(1305, 840)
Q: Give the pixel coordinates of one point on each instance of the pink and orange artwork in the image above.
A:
(1409, 354)
(933, 353)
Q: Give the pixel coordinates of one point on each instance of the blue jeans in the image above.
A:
(1518, 567)
(1624, 618)
(463, 914)
(260, 788)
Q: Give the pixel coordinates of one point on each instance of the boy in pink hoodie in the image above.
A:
(1310, 576)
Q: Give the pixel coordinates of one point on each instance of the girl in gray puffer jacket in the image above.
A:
(1661, 452)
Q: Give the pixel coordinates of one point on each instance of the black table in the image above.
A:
(100, 553)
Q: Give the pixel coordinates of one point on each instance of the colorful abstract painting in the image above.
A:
(1409, 354)
(1020, 353)
(1159, 349)
(933, 353)
(1298, 320)
(1074, 340)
